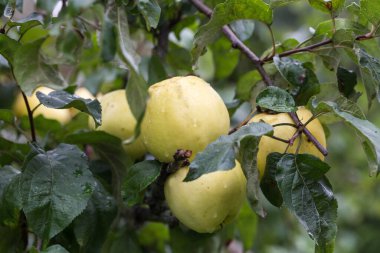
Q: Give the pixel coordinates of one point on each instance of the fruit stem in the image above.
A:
(309, 135)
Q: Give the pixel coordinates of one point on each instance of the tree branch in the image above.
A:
(30, 116)
(309, 135)
(236, 42)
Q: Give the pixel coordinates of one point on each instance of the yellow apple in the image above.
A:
(268, 145)
(19, 107)
(118, 120)
(182, 113)
(208, 202)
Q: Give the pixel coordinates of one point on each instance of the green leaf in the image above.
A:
(220, 154)
(8, 48)
(246, 83)
(347, 81)
(34, 19)
(137, 95)
(248, 161)
(138, 178)
(151, 12)
(109, 40)
(56, 186)
(55, 249)
(308, 194)
(11, 202)
(92, 226)
(370, 72)
(327, 5)
(369, 134)
(62, 99)
(268, 182)
(371, 10)
(276, 99)
(291, 70)
(225, 13)
(30, 70)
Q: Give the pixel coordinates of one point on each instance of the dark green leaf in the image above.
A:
(268, 182)
(370, 71)
(220, 154)
(307, 193)
(92, 226)
(30, 70)
(55, 249)
(225, 13)
(138, 178)
(11, 202)
(248, 161)
(151, 12)
(276, 99)
(63, 99)
(56, 186)
(371, 10)
(369, 134)
(291, 70)
(347, 80)
(6, 175)
(310, 88)
(109, 40)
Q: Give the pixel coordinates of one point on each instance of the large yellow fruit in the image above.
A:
(268, 145)
(118, 120)
(208, 202)
(19, 107)
(182, 113)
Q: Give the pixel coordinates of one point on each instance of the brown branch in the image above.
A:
(236, 42)
(309, 135)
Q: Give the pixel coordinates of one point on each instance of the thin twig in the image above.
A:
(319, 44)
(244, 122)
(236, 42)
